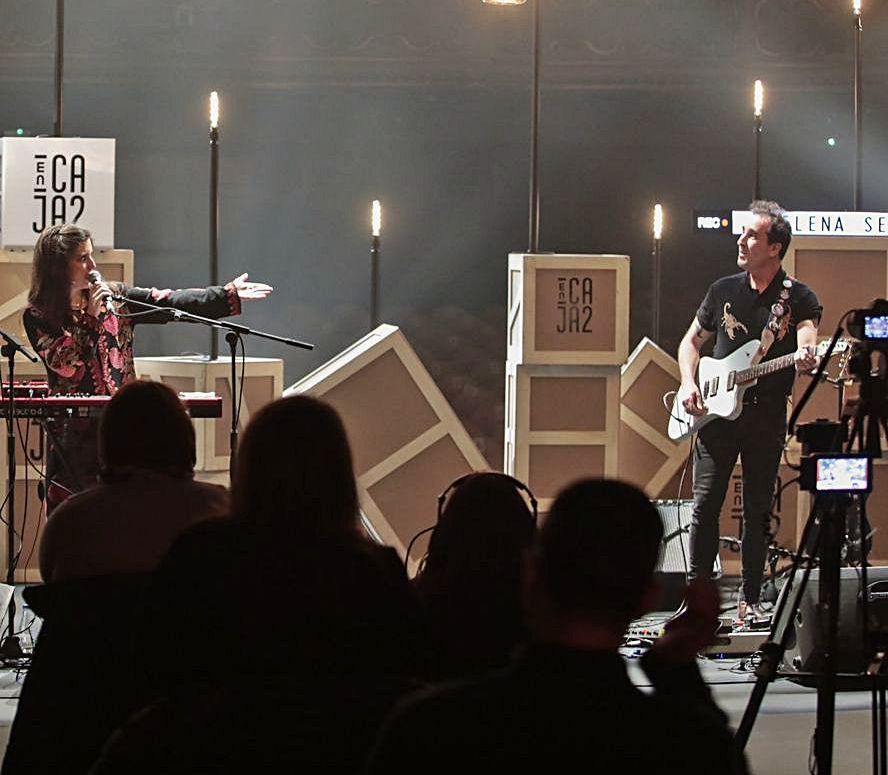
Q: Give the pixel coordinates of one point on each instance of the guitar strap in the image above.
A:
(779, 310)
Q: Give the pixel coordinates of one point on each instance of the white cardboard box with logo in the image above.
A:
(47, 180)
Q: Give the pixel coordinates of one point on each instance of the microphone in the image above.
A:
(96, 277)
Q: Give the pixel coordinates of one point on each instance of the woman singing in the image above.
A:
(87, 348)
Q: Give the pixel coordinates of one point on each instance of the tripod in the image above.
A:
(824, 533)
(10, 648)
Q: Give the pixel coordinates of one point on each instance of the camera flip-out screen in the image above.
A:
(843, 473)
(875, 327)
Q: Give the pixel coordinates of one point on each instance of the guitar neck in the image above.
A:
(761, 369)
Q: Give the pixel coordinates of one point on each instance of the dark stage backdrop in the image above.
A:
(424, 104)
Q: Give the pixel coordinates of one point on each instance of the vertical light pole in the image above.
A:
(533, 228)
(655, 278)
(758, 102)
(375, 232)
(59, 67)
(856, 115)
(214, 208)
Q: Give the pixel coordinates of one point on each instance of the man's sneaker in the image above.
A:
(760, 613)
(752, 615)
(742, 610)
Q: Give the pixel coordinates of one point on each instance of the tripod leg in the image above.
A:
(10, 645)
(877, 713)
(875, 725)
(771, 657)
(832, 530)
(883, 759)
(772, 651)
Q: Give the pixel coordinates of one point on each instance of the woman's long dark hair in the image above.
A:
(471, 580)
(477, 545)
(294, 470)
(50, 287)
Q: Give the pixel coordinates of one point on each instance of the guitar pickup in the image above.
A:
(714, 385)
(706, 390)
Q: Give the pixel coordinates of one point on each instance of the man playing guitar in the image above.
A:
(737, 309)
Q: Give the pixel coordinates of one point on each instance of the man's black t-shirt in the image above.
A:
(738, 313)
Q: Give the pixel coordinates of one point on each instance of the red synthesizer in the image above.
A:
(39, 405)
(25, 388)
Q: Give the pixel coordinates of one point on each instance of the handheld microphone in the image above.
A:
(96, 277)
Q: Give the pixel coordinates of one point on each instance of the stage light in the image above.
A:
(214, 215)
(855, 7)
(376, 218)
(655, 273)
(758, 102)
(19, 132)
(831, 142)
(375, 230)
(214, 110)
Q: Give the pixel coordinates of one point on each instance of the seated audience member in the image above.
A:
(97, 552)
(267, 724)
(470, 579)
(284, 633)
(567, 698)
(291, 583)
(147, 494)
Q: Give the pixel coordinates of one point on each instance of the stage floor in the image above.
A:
(781, 737)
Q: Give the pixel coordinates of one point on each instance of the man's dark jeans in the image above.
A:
(757, 435)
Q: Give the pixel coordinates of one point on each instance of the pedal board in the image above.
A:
(644, 631)
(728, 643)
(736, 644)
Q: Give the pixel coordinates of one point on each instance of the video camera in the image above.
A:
(837, 473)
(825, 468)
(870, 326)
(867, 366)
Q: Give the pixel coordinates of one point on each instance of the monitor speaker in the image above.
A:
(675, 554)
(807, 635)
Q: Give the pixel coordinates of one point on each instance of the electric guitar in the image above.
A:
(723, 381)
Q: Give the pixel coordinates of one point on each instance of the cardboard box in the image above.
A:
(407, 443)
(562, 424)
(263, 382)
(568, 309)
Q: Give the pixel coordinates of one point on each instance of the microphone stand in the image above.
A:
(10, 648)
(235, 332)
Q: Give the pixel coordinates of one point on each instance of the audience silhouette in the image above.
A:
(97, 552)
(284, 629)
(470, 577)
(291, 583)
(280, 637)
(567, 698)
(146, 495)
